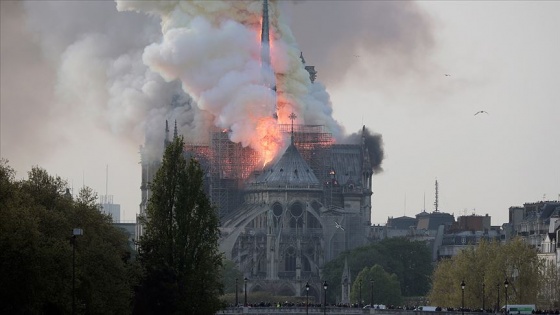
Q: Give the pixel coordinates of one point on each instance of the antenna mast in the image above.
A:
(436, 203)
(404, 210)
(106, 180)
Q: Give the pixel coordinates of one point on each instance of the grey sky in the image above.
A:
(383, 64)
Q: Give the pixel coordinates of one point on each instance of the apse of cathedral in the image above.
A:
(283, 222)
(300, 213)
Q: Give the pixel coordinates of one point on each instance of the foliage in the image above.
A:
(409, 261)
(179, 247)
(385, 288)
(549, 295)
(230, 275)
(36, 252)
(489, 265)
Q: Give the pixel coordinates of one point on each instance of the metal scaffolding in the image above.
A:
(229, 165)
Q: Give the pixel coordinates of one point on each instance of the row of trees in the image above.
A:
(37, 219)
(485, 268)
(397, 266)
(178, 267)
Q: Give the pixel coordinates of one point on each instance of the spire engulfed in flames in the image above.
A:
(270, 139)
(215, 49)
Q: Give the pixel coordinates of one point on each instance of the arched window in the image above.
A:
(277, 209)
(296, 211)
(290, 259)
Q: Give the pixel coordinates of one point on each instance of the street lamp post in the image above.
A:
(245, 280)
(463, 297)
(483, 285)
(75, 233)
(307, 298)
(371, 304)
(236, 293)
(325, 285)
(498, 306)
(360, 301)
(506, 283)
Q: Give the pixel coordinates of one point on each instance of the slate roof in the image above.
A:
(291, 171)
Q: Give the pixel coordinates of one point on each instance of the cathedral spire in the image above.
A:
(265, 38)
(166, 139)
(264, 31)
(266, 64)
(175, 131)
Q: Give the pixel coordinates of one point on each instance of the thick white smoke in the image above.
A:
(213, 48)
(100, 73)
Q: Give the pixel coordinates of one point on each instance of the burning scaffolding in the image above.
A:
(229, 165)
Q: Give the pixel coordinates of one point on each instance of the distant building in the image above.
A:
(402, 223)
(453, 243)
(108, 207)
(439, 230)
(533, 221)
(472, 223)
(130, 230)
(538, 223)
(432, 221)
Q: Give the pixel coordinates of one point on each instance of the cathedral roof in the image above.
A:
(291, 171)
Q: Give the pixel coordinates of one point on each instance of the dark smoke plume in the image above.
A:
(374, 144)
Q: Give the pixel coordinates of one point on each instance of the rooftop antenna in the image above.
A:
(436, 203)
(106, 180)
(424, 201)
(404, 212)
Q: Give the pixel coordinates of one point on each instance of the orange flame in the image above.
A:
(269, 139)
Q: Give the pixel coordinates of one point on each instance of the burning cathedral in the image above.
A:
(293, 202)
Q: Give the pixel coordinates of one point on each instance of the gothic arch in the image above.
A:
(238, 225)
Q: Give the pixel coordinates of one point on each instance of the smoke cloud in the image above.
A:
(196, 63)
(390, 37)
(214, 49)
(373, 142)
(62, 69)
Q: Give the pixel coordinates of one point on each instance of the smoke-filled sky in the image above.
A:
(84, 82)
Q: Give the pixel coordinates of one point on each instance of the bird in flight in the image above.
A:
(447, 75)
(338, 226)
(481, 112)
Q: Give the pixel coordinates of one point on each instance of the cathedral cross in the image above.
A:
(292, 117)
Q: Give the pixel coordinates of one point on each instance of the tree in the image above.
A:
(36, 253)
(179, 247)
(230, 272)
(386, 287)
(409, 261)
(490, 263)
(549, 295)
